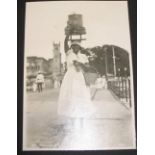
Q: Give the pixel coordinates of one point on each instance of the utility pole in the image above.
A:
(106, 63)
(114, 60)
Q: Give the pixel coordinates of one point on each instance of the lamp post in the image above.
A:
(119, 81)
(126, 84)
(114, 61)
(119, 72)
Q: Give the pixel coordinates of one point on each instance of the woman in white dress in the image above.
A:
(74, 98)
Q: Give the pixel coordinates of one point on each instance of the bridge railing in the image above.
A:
(121, 88)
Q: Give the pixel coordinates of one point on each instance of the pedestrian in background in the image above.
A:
(40, 81)
(34, 87)
(101, 83)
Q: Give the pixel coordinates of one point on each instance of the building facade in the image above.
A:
(51, 68)
(35, 64)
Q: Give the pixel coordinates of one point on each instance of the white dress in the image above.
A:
(74, 98)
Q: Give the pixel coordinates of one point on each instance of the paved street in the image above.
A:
(110, 127)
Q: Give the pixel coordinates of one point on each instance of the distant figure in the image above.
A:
(56, 83)
(100, 83)
(34, 87)
(40, 81)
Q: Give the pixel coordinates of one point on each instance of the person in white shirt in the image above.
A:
(101, 83)
(40, 81)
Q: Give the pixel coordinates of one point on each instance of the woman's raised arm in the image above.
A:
(66, 47)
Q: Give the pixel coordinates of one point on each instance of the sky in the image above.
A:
(106, 22)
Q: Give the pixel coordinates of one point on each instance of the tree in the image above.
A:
(103, 56)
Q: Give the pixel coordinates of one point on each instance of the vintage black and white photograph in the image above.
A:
(78, 78)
